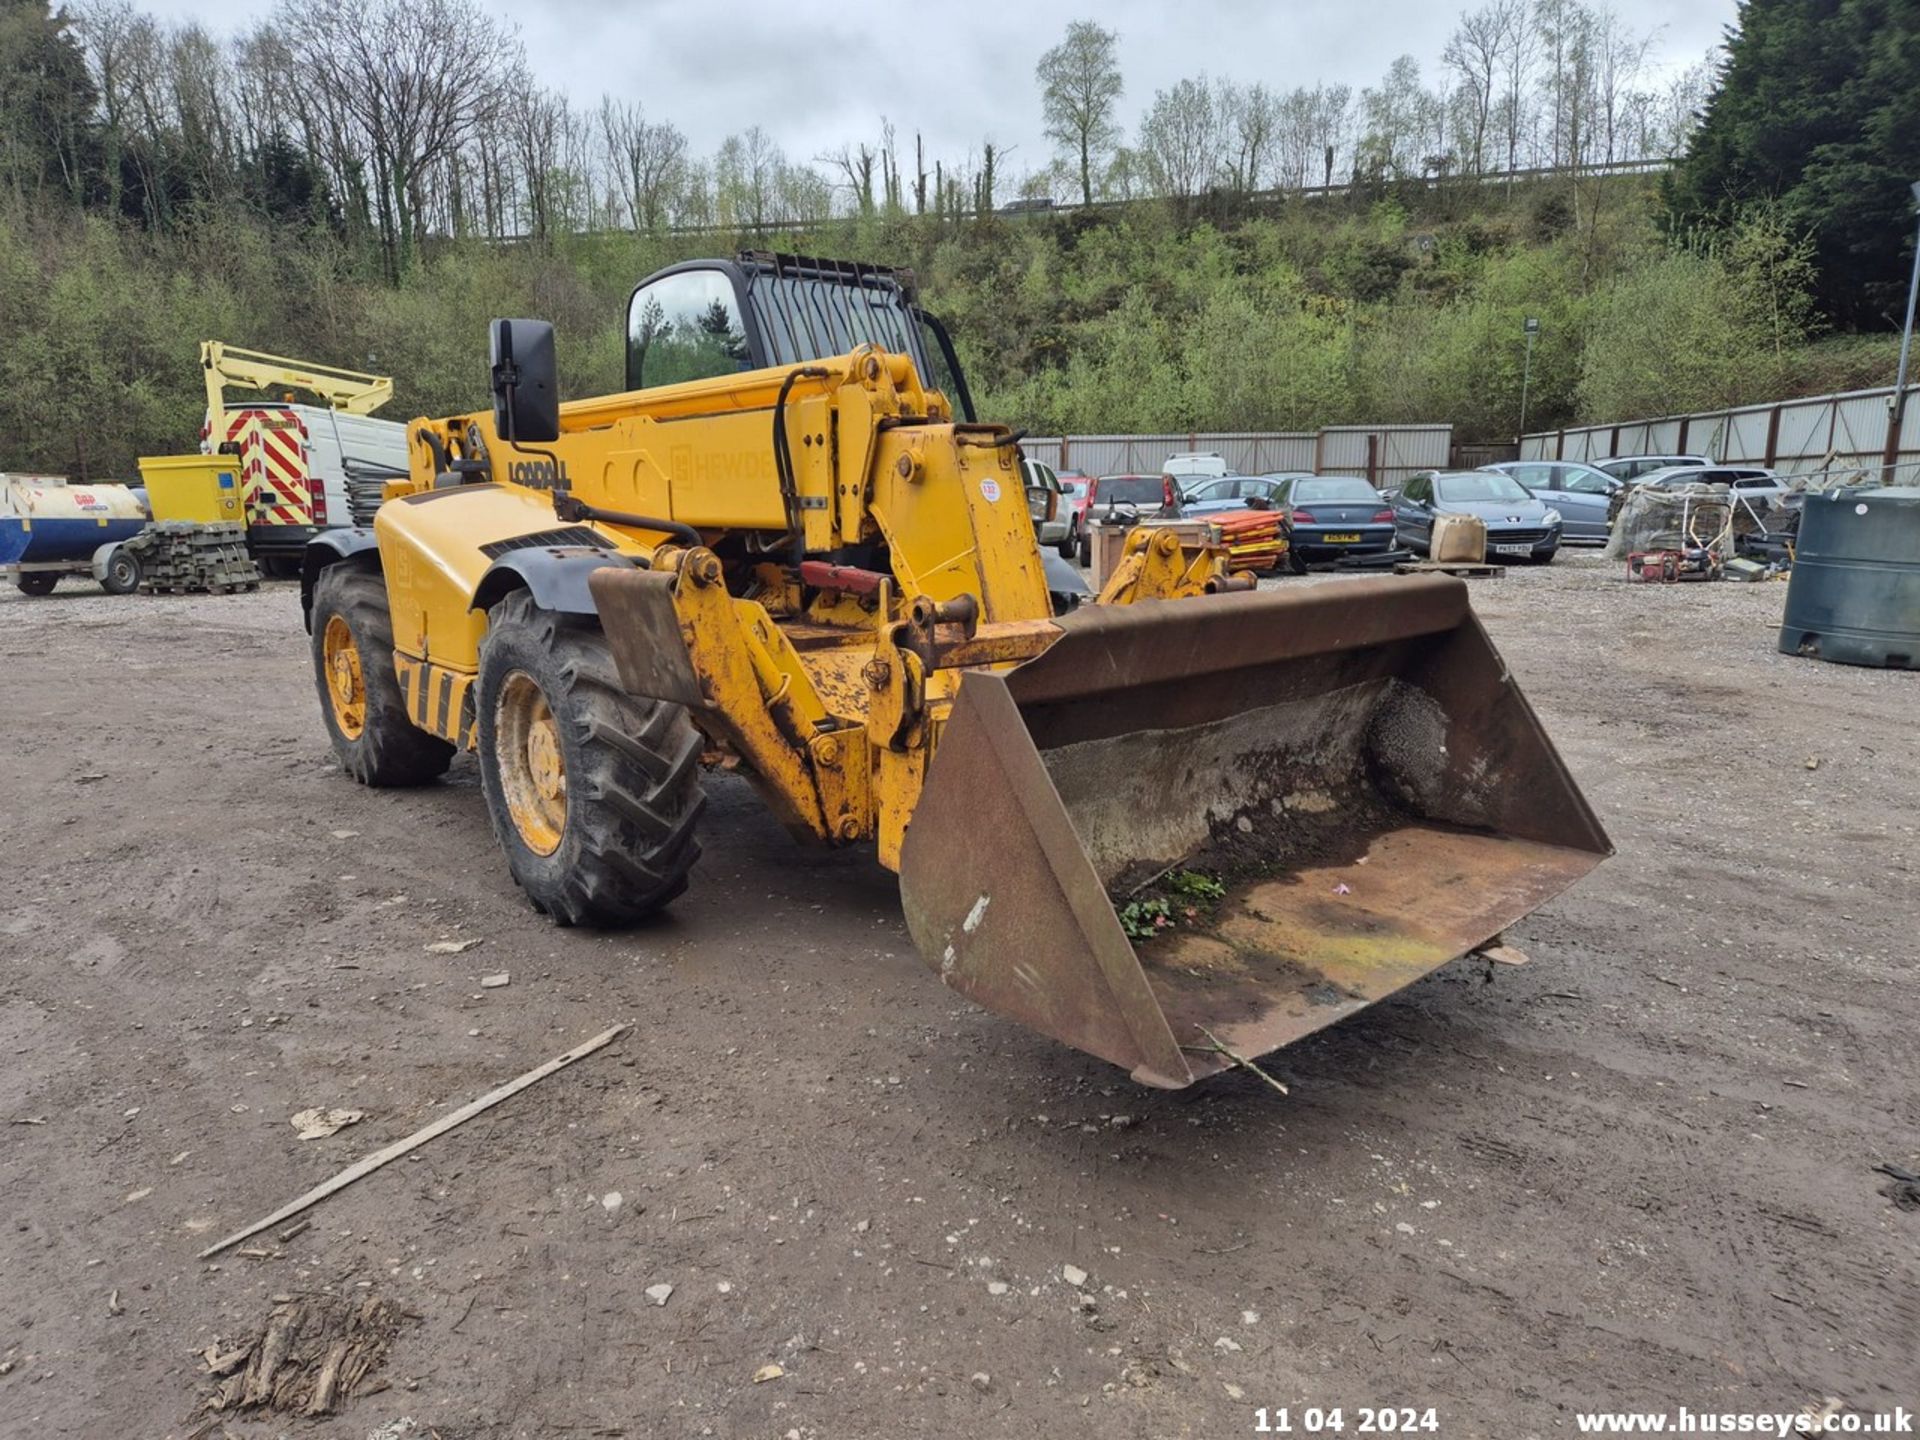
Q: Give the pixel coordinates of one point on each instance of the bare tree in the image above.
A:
(855, 165)
(1474, 53)
(411, 81)
(1519, 52)
(1080, 88)
(647, 159)
(1618, 58)
(536, 121)
(1251, 118)
(1331, 125)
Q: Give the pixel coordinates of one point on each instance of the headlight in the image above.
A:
(1553, 517)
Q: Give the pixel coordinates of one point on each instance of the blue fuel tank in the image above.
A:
(44, 520)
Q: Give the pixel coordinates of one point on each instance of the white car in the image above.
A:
(1755, 484)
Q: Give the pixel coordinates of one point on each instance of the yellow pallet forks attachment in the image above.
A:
(1235, 820)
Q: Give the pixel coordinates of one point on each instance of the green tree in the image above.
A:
(1818, 109)
(46, 98)
(1080, 86)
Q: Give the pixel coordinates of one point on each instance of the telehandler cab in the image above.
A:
(1169, 829)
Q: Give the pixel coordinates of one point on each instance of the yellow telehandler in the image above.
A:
(1192, 823)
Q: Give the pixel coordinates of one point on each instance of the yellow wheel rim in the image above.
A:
(346, 686)
(532, 765)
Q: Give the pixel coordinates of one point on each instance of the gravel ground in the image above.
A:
(1636, 1172)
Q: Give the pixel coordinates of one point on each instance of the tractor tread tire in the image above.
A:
(634, 796)
(390, 751)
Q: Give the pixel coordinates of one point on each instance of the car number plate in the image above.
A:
(1511, 549)
(1343, 539)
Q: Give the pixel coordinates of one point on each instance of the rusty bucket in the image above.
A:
(1221, 824)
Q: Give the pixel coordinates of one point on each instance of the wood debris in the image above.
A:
(312, 1356)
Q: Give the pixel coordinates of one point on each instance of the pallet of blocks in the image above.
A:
(178, 556)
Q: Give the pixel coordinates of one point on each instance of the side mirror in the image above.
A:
(526, 382)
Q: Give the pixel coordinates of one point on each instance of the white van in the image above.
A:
(308, 468)
(1186, 467)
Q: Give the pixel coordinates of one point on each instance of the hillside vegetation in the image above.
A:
(310, 185)
(1143, 320)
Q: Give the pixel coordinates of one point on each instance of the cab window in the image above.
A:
(684, 327)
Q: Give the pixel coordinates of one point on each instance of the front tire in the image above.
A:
(594, 793)
(360, 696)
(37, 583)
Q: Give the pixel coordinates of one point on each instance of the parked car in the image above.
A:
(1122, 499)
(1754, 483)
(1582, 495)
(1186, 466)
(1041, 477)
(1332, 515)
(1518, 525)
(1632, 467)
(1229, 492)
(1073, 502)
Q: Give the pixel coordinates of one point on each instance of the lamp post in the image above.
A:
(1898, 412)
(1526, 370)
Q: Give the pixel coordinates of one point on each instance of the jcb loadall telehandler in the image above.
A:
(1160, 831)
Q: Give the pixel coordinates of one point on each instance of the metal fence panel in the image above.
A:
(1860, 427)
(1746, 436)
(1392, 451)
(1805, 432)
(1803, 435)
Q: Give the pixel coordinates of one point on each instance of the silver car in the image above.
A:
(1632, 467)
(1518, 525)
(1755, 484)
(1582, 495)
(1042, 481)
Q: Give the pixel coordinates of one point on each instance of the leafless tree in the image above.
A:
(1251, 116)
(1519, 53)
(1332, 124)
(1475, 53)
(410, 81)
(855, 165)
(648, 161)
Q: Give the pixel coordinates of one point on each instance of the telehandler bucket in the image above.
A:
(1199, 826)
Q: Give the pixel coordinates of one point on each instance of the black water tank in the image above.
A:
(1855, 592)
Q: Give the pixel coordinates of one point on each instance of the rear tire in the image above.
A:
(594, 793)
(37, 583)
(122, 575)
(1296, 562)
(360, 696)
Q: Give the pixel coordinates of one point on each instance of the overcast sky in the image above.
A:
(818, 76)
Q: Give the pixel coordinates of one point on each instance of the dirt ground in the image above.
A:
(1636, 1173)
